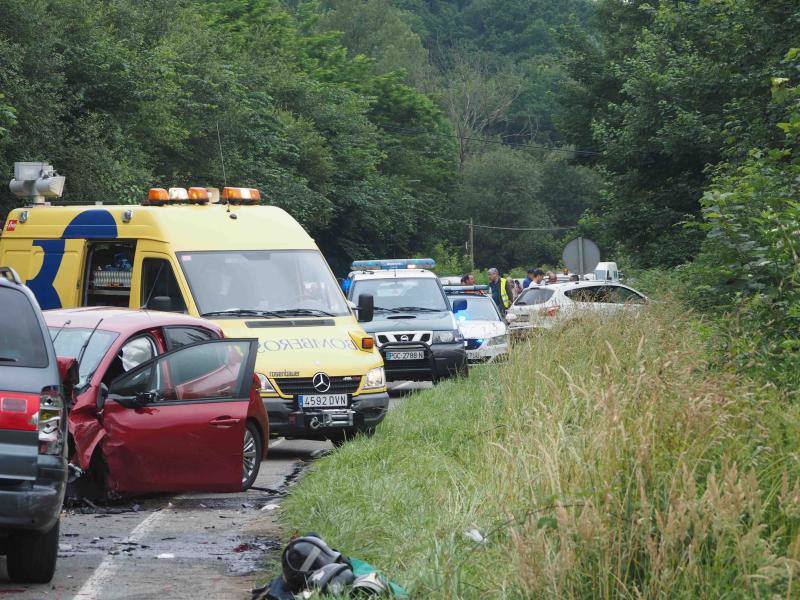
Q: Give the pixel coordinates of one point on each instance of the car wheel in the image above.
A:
(251, 456)
(32, 556)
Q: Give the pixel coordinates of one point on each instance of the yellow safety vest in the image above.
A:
(504, 293)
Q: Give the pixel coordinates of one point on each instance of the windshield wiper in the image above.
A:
(303, 312)
(240, 312)
(384, 309)
(7, 359)
(419, 309)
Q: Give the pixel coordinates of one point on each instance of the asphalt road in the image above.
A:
(186, 546)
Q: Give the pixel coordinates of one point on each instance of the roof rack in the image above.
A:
(10, 274)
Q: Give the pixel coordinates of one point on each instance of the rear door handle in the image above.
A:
(224, 422)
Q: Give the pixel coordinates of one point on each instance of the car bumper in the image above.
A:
(487, 353)
(440, 362)
(365, 412)
(34, 505)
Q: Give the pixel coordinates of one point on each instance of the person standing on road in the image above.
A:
(551, 278)
(534, 277)
(468, 279)
(501, 288)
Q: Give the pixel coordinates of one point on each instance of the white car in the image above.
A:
(544, 306)
(483, 327)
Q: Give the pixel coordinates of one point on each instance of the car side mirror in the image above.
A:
(102, 396)
(366, 308)
(459, 306)
(162, 303)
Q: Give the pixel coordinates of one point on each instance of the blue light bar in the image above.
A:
(400, 263)
(460, 289)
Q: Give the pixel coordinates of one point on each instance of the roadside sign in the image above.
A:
(581, 256)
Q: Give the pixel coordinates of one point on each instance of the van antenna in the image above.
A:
(221, 156)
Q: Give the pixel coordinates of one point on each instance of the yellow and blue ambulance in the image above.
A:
(250, 268)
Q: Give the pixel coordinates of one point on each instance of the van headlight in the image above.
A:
(447, 337)
(266, 386)
(375, 379)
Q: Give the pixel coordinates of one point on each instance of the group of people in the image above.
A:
(505, 289)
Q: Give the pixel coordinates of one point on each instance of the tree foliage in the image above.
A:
(124, 95)
(665, 89)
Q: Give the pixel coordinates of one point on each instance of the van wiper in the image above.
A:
(241, 312)
(315, 312)
(419, 309)
(7, 359)
(384, 309)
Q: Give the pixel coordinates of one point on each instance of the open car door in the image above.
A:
(177, 422)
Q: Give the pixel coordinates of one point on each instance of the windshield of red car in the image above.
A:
(69, 342)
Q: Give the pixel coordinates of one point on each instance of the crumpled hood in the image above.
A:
(441, 321)
(473, 330)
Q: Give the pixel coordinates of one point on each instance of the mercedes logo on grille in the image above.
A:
(404, 338)
(321, 382)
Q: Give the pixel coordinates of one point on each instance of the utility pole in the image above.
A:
(471, 245)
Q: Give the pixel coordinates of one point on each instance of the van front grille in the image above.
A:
(294, 386)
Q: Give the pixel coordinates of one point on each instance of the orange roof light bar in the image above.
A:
(197, 195)
(157, 196)
(240, 195)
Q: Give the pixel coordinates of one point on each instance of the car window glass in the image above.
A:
(69, 342)
(623, 295)
(131, 384)
(206, 371)
(160, 287)
(137, 351)
(177, 337)
(479, 308)
(21, 340)
(588, 294)
(534, 295)
(402, 292)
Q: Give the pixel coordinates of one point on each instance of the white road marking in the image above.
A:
(276, 443)
(93, 587)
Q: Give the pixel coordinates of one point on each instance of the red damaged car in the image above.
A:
(163, 403)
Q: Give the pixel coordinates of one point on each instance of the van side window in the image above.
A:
(108, 274)
(160, 289)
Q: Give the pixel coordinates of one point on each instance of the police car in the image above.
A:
(483, 327)
(413, 325)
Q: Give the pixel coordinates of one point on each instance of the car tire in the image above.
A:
(252, 452)
(32, 556)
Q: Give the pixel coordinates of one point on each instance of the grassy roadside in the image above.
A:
(601, 461)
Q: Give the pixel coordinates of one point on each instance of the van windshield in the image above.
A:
(270, 283)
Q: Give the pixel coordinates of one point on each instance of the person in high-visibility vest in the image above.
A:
(502, 290)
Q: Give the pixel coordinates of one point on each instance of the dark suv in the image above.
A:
(33, 430)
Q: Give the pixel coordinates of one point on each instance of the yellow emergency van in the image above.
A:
(252, 269)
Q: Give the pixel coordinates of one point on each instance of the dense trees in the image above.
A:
(124, 95)
(665, 90)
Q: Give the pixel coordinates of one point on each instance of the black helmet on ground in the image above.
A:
(304, 555)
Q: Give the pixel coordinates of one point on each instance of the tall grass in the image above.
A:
(603, 460)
